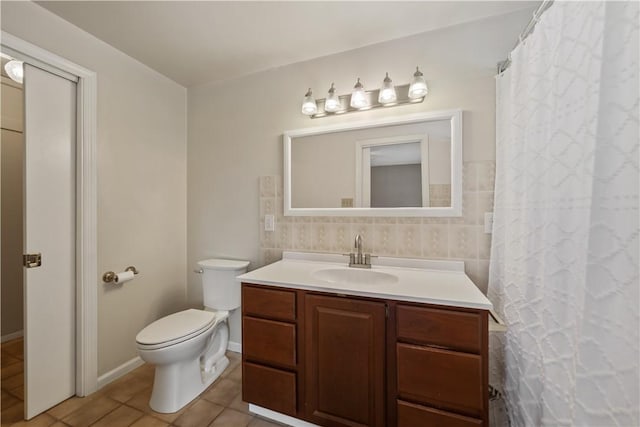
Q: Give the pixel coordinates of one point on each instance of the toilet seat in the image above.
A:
(177, 328)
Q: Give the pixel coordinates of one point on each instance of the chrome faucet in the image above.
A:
(359, 259)
(358, 246)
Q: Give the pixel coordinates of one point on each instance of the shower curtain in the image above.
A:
(564, 256)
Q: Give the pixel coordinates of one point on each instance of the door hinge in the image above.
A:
(32, 260)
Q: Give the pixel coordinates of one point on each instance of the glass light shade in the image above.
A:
(332, 102)
(309, 106)
(418, 87)
(14, 70)
(387, 93)
(358, 96)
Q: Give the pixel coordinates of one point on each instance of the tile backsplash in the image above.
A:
(440, 195)
(455, 238)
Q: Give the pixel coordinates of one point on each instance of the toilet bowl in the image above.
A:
(188, 348)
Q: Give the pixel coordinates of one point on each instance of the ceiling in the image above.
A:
(195, 42)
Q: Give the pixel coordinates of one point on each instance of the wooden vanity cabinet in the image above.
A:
(338, 361)
(345, 361)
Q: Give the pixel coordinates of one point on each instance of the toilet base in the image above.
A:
(175, 385)
(216, 370)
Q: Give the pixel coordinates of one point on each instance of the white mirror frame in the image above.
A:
(455, 117)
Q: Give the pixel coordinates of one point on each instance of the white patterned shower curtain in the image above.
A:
(564, 257)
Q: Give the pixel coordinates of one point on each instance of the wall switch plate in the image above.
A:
(269, 223)
(488, 222)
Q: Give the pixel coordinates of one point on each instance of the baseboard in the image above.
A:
(235, 347)
(277, 416)
(12, 336)
(120, 371)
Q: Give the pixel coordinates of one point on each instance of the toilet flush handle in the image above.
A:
(199, 271)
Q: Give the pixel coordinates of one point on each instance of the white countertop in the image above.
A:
(423, 281)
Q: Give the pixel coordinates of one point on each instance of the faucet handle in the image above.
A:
(352, 258)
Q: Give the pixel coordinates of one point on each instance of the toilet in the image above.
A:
(188, 348)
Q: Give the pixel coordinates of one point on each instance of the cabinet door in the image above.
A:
(345, 361)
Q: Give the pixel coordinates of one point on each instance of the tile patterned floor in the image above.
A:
(125, 402)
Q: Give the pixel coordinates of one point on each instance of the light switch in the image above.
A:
(488, 222)
(269, 223)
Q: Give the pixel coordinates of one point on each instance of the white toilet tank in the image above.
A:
(219, 287)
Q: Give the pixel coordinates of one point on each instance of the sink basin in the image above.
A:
(354, 276)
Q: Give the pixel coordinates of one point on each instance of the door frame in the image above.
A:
(363, 165)
(86, 205)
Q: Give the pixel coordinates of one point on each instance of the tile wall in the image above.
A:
(456, 238)
(440, 195)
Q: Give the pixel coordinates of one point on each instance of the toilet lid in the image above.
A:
(223, 264)
(175, 326)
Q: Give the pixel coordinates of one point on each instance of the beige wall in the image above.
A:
(235, 132)
(141, 178)
(11, 153)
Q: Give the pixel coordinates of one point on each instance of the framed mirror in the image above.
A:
(396, 166)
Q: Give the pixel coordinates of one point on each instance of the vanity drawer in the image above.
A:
(458, 330)
(412, 415)
(440, 378)
(268, 302)
(270, 388)
(269, 341)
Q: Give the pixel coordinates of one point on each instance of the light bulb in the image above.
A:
(387, 92)
(358, 96)
(332, 102)
(14, 70)
(418, 88)
(309, 106)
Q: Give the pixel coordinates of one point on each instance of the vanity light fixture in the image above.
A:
(358, 96)
(332, 103)
(360, 99)
(418, 88)
(387, 94)
(14, 70)
(309, 106)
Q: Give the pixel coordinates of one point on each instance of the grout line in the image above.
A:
(103, 416)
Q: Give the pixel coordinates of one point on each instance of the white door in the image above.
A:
(50, 210)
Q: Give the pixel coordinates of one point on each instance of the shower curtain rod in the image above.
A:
(528, 29)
